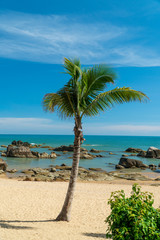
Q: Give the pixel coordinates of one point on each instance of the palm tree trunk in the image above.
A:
(66, 209)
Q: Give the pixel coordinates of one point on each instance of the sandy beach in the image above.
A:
(28, 209)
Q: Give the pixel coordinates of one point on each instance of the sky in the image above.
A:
(36, 35)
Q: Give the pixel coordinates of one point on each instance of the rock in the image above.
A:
(96, 169)
(119, 166)
(27, 178)
(4, 146)
(44, 155)
(3, 154)
(87, 156)
(40, 171)
(47, 147)
(110, 153)
(99, 155)
(65, 148)
(12, 171)
(157, 179)
(153, 152)
(53, 169)
(95, 150)
(153, 167)
(53, 155)
(130, 163)
(19, 152)
(133, 150)
(3, 165)
(63, 165)
(64, 152)
(141, 154)
(124, 155)
(133, 155)
(20, 143)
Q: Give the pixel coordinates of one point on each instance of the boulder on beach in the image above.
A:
(3, 165)
(131, 163)
(153, 152)
(133, 150)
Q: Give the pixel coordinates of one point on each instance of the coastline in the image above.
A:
(28, 209)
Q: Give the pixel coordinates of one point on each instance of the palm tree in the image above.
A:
(85, 95)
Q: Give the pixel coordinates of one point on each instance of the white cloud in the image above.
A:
(48, 38)
(34, 125)
(49, 126)
(123, 129)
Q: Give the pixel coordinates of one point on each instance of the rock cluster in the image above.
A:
(62, 173)
(130, 163)
(152, 152)
(25, 152)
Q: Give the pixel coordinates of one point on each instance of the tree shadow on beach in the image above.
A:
(96, 235)
(26, 221)
(4, 224)
(8, 224)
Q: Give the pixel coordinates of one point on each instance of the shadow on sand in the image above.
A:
(96, 235)
(6, 224)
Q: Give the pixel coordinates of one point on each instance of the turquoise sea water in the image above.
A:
(115, 144)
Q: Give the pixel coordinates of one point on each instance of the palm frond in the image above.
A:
(109, 99)
(72, 67)
(60, 101)
(98, 76)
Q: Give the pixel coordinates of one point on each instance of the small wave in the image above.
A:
(93, 145)
(33, 143)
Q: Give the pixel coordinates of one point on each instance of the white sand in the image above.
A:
(28, 208)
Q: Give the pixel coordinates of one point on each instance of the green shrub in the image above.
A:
(133, 218)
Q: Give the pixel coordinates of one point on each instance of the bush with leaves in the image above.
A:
(133, 218)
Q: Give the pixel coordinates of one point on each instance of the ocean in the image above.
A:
(115, 144)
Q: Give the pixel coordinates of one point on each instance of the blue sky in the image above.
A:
(36, 35)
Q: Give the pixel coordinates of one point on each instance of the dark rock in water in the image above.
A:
(130, 163)
(3, 165)
(20, 143)
(99, 156)
(141, 154)
(152, 165)
(119, 166)
(64, 148)
(95, 150)
(124, 155)
(63, 165)
(153, 152)
(133, 150)
(85, 155)
(19, 152)
(4, 146)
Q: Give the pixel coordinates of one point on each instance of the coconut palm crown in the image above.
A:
(85, 95)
